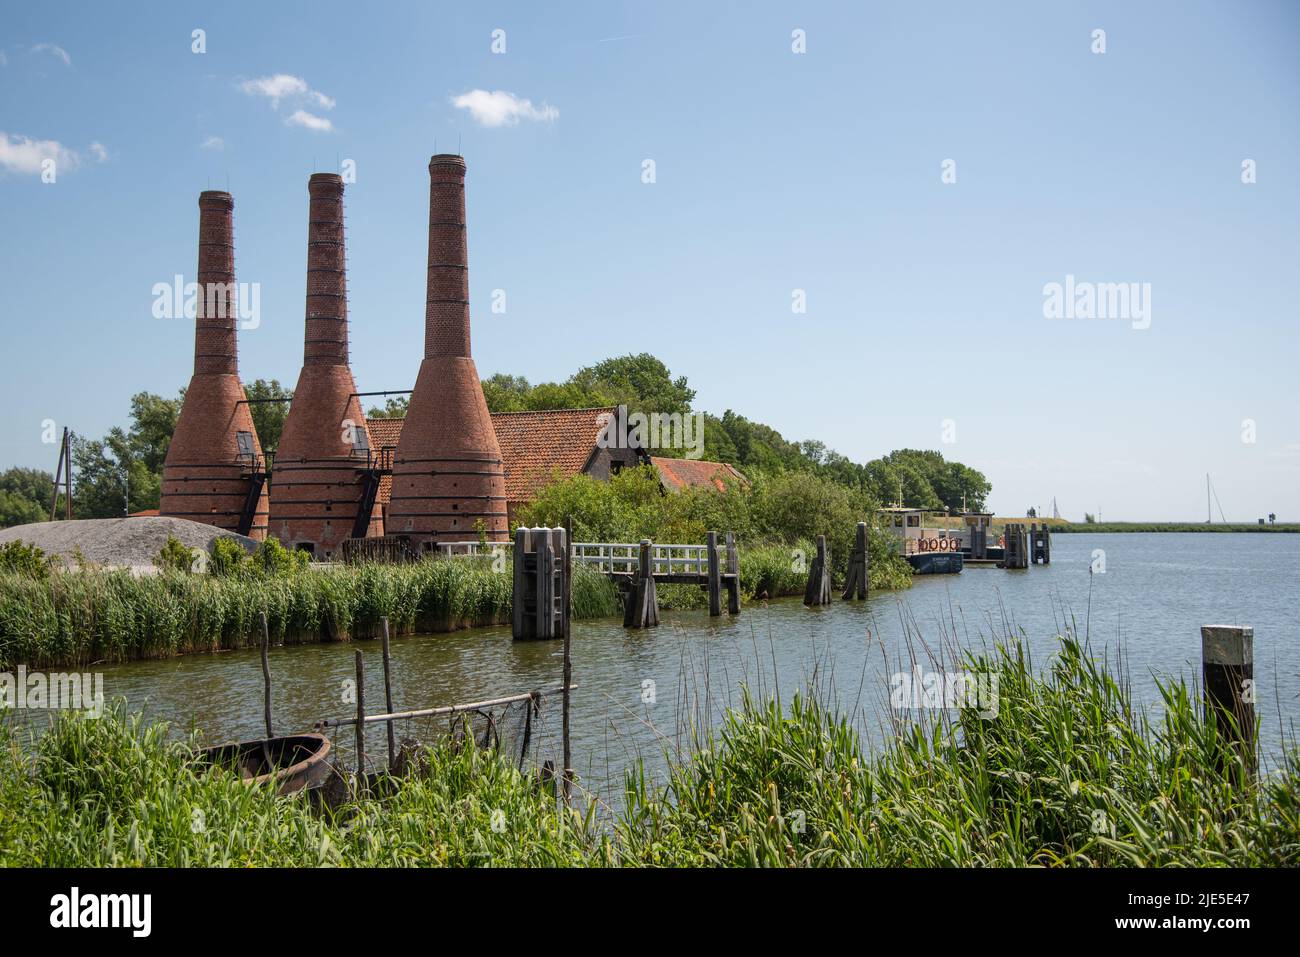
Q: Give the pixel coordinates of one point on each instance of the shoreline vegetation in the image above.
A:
(1067, 774)
(53, 617)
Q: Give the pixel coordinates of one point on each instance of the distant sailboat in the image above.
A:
(1209, 490)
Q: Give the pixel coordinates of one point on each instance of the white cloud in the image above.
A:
(311, 121)
(24, 155)
(213, 143)
(4, 60)
(53, 50)
(99, 151)
(286, 86)
(500, 108)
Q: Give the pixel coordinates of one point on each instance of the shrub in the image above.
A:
(175, 556)
(17, 556)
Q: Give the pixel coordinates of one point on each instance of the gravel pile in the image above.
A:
(118, 542)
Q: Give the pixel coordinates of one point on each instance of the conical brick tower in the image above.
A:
(319, 485)
(214, 472)
(448, 481)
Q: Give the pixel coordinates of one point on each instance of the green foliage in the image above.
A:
(272, 558)
(25, 496)
(781, 513)
(1068, 774)
(394, 408)
(174, 556)
(21, 558)
(268, 417)
(229, 557)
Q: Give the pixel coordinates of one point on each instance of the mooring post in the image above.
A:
(266, 673)
(733, 575)
(856, 583)
(1228, 674)
(568, 661)
(361, 721)
(1047, 545)
(643, 597)
(545, 617)
(715, 576)
(388, 694)
(818, 590)
(518, 595)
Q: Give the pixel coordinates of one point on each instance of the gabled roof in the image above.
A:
(695, 473)
(538, 446)
(535, 446)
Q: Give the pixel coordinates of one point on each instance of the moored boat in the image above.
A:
(294, 762)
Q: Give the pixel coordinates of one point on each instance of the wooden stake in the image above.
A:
(266, 672)
(361, 721)
(388, 694)
(1228, 674)
(568, 661)
(715, 576)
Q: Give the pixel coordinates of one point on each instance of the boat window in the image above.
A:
(914, 521)
(898, 521)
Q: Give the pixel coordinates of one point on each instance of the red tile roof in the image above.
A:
(536, 447)
(695, 473)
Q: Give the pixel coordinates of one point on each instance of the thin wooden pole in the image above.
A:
(438, 712)
(266, 673)
(361, 719)
(388, 694)
(715, 575)
(568, 661)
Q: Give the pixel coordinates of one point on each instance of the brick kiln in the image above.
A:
(325, 478)
(214, 471)
(447, 472)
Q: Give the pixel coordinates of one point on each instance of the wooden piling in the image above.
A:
(361, 721)
(818, 590)
(388, 694)
(856, 584)
(733, 575)
(642, 607)
(519, 594)
(715, 576)
(1228, 675)
(545, 611)
(568, 661)
(266, 673)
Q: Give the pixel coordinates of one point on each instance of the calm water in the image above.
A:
(1156, 592)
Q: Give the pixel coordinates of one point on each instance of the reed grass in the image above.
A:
(1068, 773)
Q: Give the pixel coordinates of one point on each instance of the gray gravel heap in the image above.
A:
(118, 542)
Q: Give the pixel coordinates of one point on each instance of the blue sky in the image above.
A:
(775, 171)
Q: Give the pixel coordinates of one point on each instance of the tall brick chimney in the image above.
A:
(447, 473)
(211, 471)
(319, 483)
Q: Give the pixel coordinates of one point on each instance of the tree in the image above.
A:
(1272, 518)
(394, 408)
(25, 496)
(1031, 512)
(268, 416)
(1089, 518)
(641, 382)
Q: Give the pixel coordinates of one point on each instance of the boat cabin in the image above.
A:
(915, 536)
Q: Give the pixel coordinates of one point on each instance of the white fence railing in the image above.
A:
(611, 558)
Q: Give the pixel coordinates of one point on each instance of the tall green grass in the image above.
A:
(78, 617)
(1068, 773)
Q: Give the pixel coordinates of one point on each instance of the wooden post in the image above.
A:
(568, 661)
(643, 602)
(818, 590)
(266, 673)
(519, 593)
(856, 584)
(715, 576)
(388, 694)
(733, 573)
(361, 721)
(545, 584)
(1228, 674)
